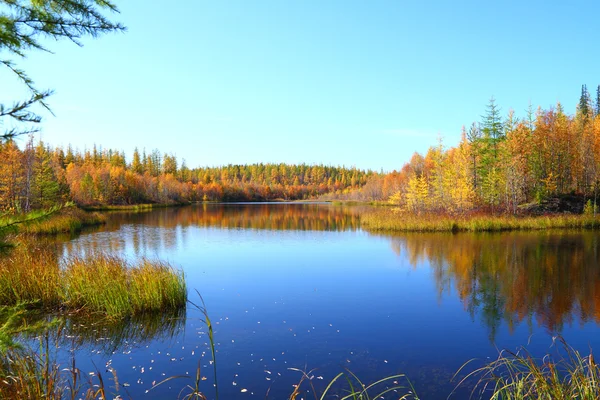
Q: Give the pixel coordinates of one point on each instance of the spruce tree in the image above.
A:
(23, 24)
(45, 186)
(584, 102)
(598, 100)
(492, 130)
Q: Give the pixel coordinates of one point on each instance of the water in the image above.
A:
(302, 286)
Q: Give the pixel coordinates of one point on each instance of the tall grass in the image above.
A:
(67, 220)
(110, 285)
(29, 374)
(354, 389)
(516, 376)
(30, 274)
(130, 207)
(97, 283)
(390, 220)
(194, 391)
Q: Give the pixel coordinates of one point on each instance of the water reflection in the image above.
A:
(108, 336)
(166, 229)
(284, 216)
(550, 279)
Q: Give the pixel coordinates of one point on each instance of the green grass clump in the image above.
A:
(154, 286)
(97, 283)
(110, 285)
(392, 220)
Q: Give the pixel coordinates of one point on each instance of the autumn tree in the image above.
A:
(11, 176)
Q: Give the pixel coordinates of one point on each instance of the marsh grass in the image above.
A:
(30, 274)
(354, 389)
(66, 220)
(112, 286)
(130, 207)
(391, 220)
(97, 283)
(518, 375)
(29, 374)
(194, 391)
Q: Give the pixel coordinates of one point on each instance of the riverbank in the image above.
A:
(391, 220)
(68, 219)
(132, 207)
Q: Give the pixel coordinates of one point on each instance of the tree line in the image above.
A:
(40, 176)
(502, 162)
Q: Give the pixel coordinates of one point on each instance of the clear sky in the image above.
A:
(346, 82)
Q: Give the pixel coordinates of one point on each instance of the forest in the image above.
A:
(39, 176)
(502, 162)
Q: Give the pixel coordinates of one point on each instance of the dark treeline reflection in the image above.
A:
(284, 216)
(551, 279)
(138, 233)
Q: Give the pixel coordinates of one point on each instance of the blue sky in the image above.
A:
(362, 83)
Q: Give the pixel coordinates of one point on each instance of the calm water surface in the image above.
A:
(302, 286)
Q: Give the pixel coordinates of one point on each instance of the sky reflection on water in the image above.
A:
(300, 285)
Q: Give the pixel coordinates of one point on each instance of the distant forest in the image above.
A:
(40, 176)
(501, 162)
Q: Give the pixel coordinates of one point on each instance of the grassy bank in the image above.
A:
(390, 220)
(51, 222)
(68, 220)
(96, 283)
(360, 203)
(130, 207)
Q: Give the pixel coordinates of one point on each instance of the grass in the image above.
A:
(97, 283)
(194, 391)
(516, 376)
(354, 388)
(30, 374)
(360, 203)
(51, 222)
(564, 375)
(112, 286)
(130, 207)
(392, 220)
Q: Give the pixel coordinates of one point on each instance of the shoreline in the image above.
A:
(393, 221)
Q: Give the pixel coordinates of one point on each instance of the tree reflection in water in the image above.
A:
(140, 229)
(551, 278)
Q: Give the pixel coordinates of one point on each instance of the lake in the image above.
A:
(302, 286)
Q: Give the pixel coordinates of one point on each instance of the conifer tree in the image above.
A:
(598, 100)
(136, 164)
(584, 102)
(45, 185)
(492, 127)
(23, 25)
